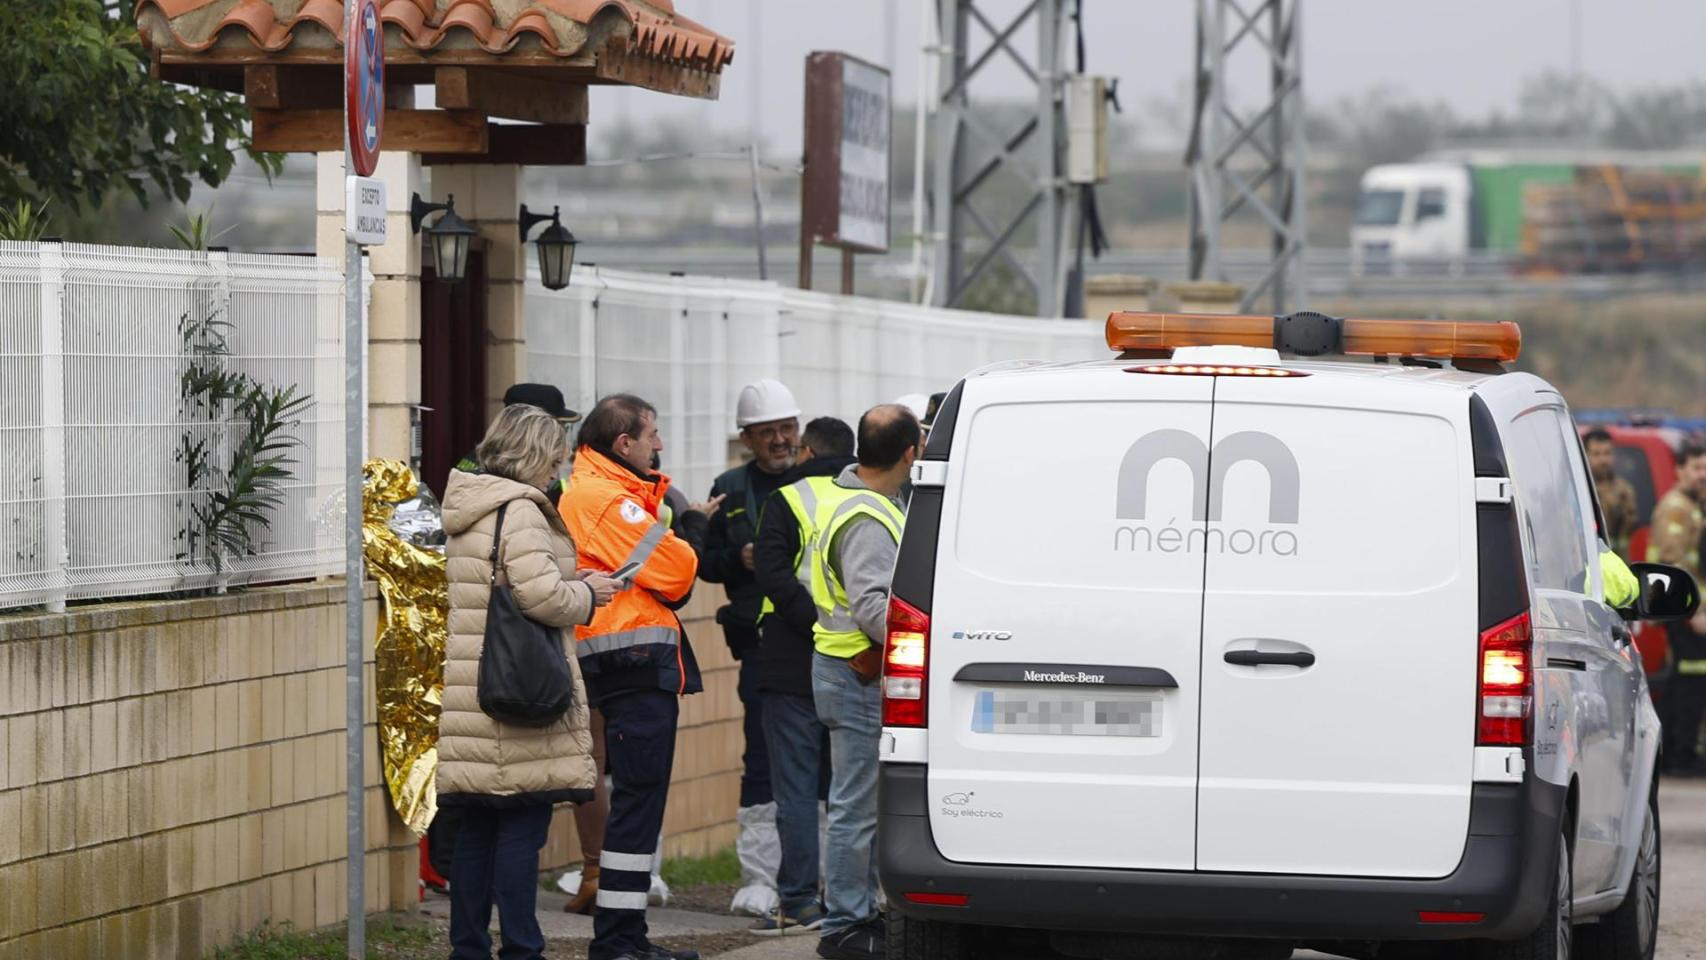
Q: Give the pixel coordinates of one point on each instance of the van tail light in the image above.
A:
(906, 665)
(1507, 683)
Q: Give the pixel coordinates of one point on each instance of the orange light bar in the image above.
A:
(1448, 339)
(1164, 331)
(1215, 370)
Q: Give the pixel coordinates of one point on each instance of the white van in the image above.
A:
(1232, 646)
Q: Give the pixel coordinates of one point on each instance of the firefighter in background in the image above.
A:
(769, 421)
(1616, 495)
(1679, 521)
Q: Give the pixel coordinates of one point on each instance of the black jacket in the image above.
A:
(785, 648)
(730, 530)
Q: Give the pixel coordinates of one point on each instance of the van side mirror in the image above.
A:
(1667, 593)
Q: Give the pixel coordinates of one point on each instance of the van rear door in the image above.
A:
(1339, 632)
(1066, 621)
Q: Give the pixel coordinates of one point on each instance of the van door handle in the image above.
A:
(1256, 658)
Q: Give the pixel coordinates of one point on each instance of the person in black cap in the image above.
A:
(545, 397)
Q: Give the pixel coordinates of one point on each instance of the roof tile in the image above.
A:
(562, 26)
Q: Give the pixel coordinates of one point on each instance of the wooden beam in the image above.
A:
(549, 145)
(415, 131)
(269, 86)
(515, 96)
(196, 75)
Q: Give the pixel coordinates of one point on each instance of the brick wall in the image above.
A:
(172, 774)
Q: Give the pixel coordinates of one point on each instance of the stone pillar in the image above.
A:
(394, 313)
(489, 196)
(1108, 292)
(1205, 296)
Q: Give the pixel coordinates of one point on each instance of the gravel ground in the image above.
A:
(710, 898)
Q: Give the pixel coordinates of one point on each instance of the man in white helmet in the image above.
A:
(769, 422)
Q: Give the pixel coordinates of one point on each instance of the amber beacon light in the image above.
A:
(1314, 334)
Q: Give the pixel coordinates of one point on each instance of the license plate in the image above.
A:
(1067, 713)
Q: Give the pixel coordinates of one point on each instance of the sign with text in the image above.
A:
(845, 195)
(364, 211)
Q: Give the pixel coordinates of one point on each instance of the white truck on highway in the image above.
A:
(1561, 211)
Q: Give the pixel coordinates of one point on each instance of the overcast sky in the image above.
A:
(1473, 54)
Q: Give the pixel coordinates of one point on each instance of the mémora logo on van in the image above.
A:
(1207, 499)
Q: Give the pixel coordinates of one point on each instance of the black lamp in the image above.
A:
(556, 247)
(450, 237)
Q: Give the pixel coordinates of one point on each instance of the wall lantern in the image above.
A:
(450, 237)
(556, 247)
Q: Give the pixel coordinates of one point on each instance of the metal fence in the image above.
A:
(689, 343)
(98, 416)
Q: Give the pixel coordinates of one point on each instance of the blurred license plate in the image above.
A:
(1067, 713)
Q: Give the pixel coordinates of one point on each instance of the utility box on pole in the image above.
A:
(1086, 129)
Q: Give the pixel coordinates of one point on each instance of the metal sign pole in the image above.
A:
(355, 414)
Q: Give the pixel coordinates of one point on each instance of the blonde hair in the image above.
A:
(524, 444)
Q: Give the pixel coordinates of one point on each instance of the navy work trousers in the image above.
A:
(755, 787)
(639, 744)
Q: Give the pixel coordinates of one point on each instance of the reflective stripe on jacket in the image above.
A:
(634, 641)
(837, 634)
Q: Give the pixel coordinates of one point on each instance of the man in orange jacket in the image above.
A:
(634, 655)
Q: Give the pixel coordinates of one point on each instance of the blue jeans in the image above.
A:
(497, 859)
(799, 772)
(853, 712)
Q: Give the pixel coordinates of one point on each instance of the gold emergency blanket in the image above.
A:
(409, 667)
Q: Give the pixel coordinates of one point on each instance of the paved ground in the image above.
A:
(1682, 919)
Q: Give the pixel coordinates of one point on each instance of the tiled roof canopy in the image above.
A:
(463, 32)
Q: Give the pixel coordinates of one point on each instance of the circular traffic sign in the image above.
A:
(364, 86)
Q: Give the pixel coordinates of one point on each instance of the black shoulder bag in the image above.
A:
(524, 676)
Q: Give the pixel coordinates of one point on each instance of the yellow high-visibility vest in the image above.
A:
(836, 633)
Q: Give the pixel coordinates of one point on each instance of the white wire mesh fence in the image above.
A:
(688, 344)
(118, 447)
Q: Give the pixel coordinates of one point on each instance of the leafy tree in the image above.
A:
(81, 116)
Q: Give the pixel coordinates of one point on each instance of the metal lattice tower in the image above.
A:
(1254, 158)
(971, 154)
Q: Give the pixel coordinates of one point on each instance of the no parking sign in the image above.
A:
(364, 86)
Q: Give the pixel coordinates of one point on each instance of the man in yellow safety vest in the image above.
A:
(858, 537)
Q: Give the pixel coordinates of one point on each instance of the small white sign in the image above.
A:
(364, 210)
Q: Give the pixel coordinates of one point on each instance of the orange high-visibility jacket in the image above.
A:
(635, 641)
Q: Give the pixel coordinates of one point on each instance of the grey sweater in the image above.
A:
(863, 557)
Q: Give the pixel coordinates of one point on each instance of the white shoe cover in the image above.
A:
(658, 896)
(759, 848)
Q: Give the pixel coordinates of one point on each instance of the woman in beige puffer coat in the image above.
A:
(506, 778)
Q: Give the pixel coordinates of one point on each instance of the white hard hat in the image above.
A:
(763, 401)
(918, 403)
